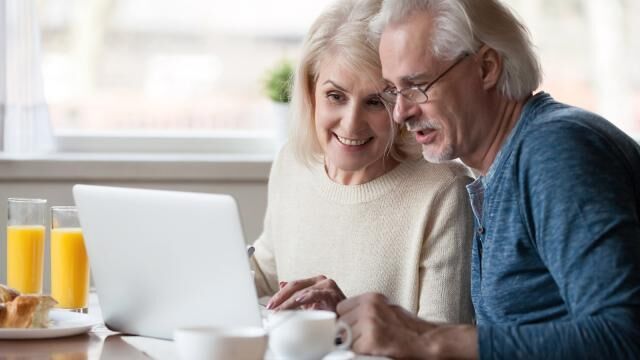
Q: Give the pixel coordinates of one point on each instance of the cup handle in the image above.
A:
(346, 343)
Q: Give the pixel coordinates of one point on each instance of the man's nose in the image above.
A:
(404, 110)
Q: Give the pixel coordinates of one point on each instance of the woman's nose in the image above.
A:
(352, 118)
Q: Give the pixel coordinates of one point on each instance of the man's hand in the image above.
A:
(383, 329)
(317, 292)
(380, 328)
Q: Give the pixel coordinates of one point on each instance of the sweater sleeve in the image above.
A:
(445, 260)
(263, 261)
(577, 198)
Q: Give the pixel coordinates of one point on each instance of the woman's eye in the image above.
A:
(375, 102)
(335, 97)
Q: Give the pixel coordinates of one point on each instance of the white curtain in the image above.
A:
(26, 124)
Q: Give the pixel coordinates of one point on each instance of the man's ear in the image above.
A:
(490, 66)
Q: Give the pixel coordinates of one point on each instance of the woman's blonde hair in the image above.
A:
(463, 26)
(340, 32)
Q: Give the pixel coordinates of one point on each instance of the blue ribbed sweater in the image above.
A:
(556, 257)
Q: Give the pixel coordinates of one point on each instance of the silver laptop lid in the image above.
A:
(162, 259)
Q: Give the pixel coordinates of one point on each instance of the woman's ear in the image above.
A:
(490, 66)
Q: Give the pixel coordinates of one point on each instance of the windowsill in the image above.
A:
(136, 167)
(146, 156)
(158, 142)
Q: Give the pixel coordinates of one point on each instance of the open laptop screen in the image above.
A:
(162, 259)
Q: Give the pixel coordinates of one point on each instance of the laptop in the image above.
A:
(164, 259)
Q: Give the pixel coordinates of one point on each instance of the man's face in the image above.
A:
(443, 124)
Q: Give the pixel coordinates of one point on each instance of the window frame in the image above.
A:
(174, 142)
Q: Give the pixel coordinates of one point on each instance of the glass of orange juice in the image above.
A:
(25, 244)
(69, 261)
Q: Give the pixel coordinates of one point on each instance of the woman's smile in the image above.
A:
(352, 142)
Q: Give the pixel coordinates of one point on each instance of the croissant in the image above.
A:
(24, 311)
(7, 294)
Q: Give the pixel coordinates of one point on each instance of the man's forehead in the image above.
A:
(405, 49)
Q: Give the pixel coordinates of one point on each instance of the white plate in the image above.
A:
(63, 323)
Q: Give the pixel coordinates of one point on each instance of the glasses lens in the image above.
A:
(389, 97)
(414, 95)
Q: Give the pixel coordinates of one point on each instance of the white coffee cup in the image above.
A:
(305, 334)
(209, 343)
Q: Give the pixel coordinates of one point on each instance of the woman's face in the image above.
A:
(352, 124)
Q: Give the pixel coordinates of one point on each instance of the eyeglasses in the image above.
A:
(417, 93)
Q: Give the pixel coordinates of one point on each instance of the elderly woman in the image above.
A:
(352, 206)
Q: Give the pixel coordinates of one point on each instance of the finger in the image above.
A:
(371, 338)
(358, 340)
(348, 305)
(324, 287)
(287, 290)
(325, 299)
(351, 318)
(360, 330)
(291, 303)
(367, 298)
(330, 284)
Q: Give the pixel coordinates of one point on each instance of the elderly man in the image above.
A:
(556, 254)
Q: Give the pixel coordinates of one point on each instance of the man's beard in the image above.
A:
(440, 156)
(435, 157)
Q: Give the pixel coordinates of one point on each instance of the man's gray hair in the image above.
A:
(463, 26)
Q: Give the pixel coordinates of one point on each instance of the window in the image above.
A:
(116, 66)
(589, 50)
(172, 66)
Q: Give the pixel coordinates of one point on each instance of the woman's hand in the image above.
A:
(318, 293)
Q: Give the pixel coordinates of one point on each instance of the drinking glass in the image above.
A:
(25, 244)
(69, 260)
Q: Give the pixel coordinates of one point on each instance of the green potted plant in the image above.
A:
(277, 87)
(277, 83)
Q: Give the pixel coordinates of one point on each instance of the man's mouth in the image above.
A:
(425, 136)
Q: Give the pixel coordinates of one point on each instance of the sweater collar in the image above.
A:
(361, 193)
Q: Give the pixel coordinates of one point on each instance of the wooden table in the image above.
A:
(98, 344)
(82, 347)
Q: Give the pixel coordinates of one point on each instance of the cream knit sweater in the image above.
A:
(406, 234)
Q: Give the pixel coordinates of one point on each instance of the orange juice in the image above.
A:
(69, 268)
(25, 258)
